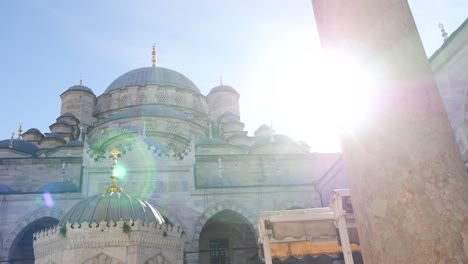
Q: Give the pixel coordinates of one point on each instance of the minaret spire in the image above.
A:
(153, 60)
(20, 130)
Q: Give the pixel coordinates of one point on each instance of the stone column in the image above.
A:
(408, 183)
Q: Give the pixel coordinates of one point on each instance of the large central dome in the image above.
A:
(152, 76)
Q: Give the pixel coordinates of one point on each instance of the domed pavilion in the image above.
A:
(111, 227)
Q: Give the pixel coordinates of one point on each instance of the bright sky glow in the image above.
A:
(268, 50)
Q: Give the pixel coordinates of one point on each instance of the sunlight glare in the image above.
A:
(120, 172)
(345, 91)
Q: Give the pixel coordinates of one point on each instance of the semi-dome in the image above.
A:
(152, 76)
(19, 145)
(68, 114)
(112, 207)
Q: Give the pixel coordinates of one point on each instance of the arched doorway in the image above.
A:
(228, 238)
(21, 251)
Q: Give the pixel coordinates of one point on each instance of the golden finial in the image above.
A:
(114, 188)
(154, 55)
(81, 80)
(220, 80)
(20, 130)
(442, 29)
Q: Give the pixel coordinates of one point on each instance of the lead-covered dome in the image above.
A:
(152, 76)
(80, 87)
(112, 207)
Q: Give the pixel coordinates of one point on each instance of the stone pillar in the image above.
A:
(408, 183)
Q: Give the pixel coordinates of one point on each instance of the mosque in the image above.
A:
(187, 181)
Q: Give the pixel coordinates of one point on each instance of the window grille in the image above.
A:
(219, 251)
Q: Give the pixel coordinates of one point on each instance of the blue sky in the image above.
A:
(268, 50)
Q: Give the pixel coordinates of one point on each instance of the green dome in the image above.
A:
(152, 76)
(112, 207)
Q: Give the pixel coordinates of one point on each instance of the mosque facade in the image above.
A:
(184, 153)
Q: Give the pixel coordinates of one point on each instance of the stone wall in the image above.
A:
(29, 174)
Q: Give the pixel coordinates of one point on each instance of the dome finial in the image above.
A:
(81, 80)
(20, 130)
(220, 80)
(114, 188)
(154, 55)
(10, 145)
(442, 29)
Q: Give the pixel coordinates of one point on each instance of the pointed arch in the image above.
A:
(248, 216)
(27, 220)
(227, 234)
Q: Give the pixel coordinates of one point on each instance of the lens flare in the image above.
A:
(120, 172)
(47, 198)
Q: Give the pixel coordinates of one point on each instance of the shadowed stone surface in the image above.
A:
(408, 182)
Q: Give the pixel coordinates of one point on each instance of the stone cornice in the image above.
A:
(98, 235)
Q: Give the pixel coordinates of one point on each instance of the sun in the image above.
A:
(345, 89)
(311, 95)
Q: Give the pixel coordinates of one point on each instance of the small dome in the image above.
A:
(263, 130)
(223, 88)
(112, 207)
(20, 145)
(81, 88)
(68, 114)
(33, 130)
(61, 122)
(5, 189)
(152, 76)
(55, 187)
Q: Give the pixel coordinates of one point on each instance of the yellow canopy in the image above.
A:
(299, 249)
